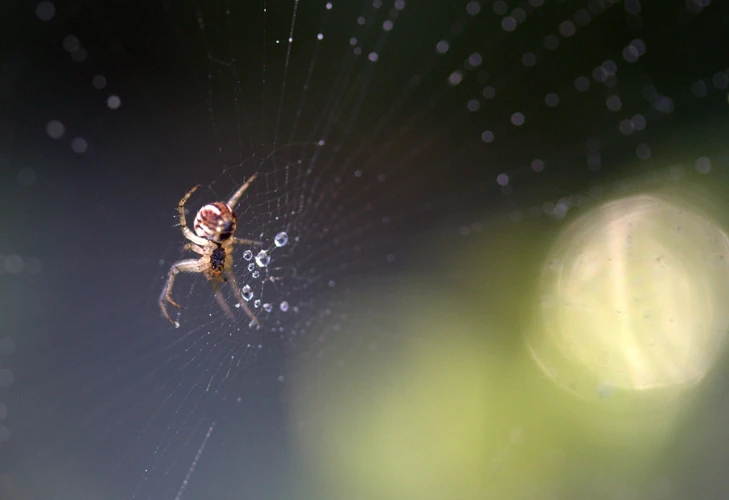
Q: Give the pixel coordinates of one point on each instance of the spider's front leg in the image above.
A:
(186, 231)
(195, 248)
(182, 266)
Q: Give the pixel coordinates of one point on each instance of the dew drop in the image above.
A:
(246, 293)
(247, 255)
(257, 303)
(262, 259)
(256, 274)
(284, 306)
(267, 307)
(281, 239)
(251, 266)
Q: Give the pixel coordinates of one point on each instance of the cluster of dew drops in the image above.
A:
(262, 259)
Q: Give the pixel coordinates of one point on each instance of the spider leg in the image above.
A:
(181, 266)
(186, 231)
(195, 248)
(233, 201)
(221, 300)
(239, 296)
(241, 241)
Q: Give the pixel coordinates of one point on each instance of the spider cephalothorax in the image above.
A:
(213, 240)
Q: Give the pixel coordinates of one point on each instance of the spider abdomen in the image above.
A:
(215, 222)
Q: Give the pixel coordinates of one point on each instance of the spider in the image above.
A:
(213, 239)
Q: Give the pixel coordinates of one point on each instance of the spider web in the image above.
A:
(375, 129)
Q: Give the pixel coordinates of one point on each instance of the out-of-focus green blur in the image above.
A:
(538, 356)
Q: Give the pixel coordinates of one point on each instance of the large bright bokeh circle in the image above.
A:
(634, 295)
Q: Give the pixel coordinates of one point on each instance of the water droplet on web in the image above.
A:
(247, 255)
(267, 307)
(284, 306)
(251, 266)
(256, 274)
(257, 303)
(177, 324)
(281, 239)
(246, 293)
(262, 259)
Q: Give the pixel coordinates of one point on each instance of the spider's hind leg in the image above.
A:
(182, 266)
(221, 300)
(238, 295)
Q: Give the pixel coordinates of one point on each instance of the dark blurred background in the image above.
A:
(422, 158)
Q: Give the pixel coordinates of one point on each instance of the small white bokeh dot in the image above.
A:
(551, 100)
(373, 56)
(508, 24)
(455, 78)
(582, 83)
(71, 43)
(442, 47)
(487, 136)
(113, 101)
(537, 165)
(502, 179)
(320, 36)
(613, 103)
(551, 42)
(55, 129)
(518, 119)
(473, 8)
(529, 59)
(99, 82)
(79, 145)
(567, 29)
(45, 11)
(643, 151)
(638, 122)
(703, 165)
